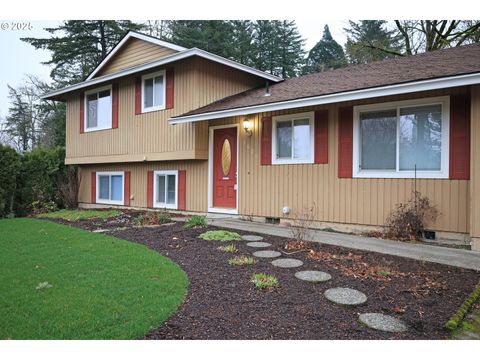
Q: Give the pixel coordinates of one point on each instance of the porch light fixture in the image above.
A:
(247, 126)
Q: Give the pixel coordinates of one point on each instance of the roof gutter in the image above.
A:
(163, 61)
(423, 85)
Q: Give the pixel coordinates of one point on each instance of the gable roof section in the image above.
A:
(438, 69)
(123, 42)
(56, 94)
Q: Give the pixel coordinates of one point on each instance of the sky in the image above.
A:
(19, 58)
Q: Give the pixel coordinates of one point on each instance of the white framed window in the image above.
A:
(402, 139)
(110, 187)
(153, 91)
(165, 189)
(98, 105)
(293, 138)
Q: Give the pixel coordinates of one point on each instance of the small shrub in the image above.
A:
(241, 260)
(264, 281)
(220, 235)
(301, 220)
(231, 248)
(408, 219)
(152, 218)
(42, 207)
(196, 221)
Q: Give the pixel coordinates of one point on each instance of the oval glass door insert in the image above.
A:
(226, 157)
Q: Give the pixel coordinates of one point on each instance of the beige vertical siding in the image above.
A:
(474, 165)
(134, 52)
(196, 171)
(264, 190)
(148, 136)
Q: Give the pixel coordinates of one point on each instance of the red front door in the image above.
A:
(225, 168)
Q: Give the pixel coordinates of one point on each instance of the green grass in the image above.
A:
(101, 287)
(241, 260)
(196, 221)
(220, 235)
(264, 281)
(75, 215)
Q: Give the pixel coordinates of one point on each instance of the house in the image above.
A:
(156, 125)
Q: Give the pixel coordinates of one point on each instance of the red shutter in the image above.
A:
(460, 137)
(266, 141)
(114, 106)
(82, 113)
(182, 190)
(345, 142)
(93, 187)
(150, 189)
(169, 88)
(126, 188)
(321, 137)
(138, 95)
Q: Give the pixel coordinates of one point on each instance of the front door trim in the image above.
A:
(211, 209)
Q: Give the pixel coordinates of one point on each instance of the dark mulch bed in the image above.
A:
(223, 304)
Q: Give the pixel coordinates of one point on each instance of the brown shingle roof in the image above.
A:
(435, 64)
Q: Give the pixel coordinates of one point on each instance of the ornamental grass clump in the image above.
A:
(220, 235)
(231, 248)
(196, 221)
(264, 281)
(241, 260)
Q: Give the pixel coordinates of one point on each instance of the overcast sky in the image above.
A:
(19, 58)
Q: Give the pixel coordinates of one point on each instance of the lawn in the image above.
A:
(75, 215)
(101, 287)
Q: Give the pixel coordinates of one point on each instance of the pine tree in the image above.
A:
(366, 37)
(326, 54)
(278, 47)
(243, 41)
(215, 36)
(80, 46)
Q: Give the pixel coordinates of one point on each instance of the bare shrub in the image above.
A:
(407, 221)
(301, 220)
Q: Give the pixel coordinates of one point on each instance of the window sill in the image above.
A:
(97, 129)
(109, 202)
(401, 175)
(153, 109)
(165, 206)
(291, 161)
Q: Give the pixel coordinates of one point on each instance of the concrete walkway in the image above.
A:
(455, 257)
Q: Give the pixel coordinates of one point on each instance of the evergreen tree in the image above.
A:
(290, 49)
(80, 45)
(278, 47)
(215, 36)
(367, 37)
(243, 41)
(326, 54)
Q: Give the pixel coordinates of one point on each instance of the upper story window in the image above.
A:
(292, 141)
(153, 91)
(402, 139)
(98, 103)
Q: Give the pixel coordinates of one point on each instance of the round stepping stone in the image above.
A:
(267, 254)
(382, 322)
(287, 263)
(346, 296)
(259, 244)
(313, 276)
(252, 238)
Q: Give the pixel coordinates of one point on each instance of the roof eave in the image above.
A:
(163, 61)
(387, 90)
